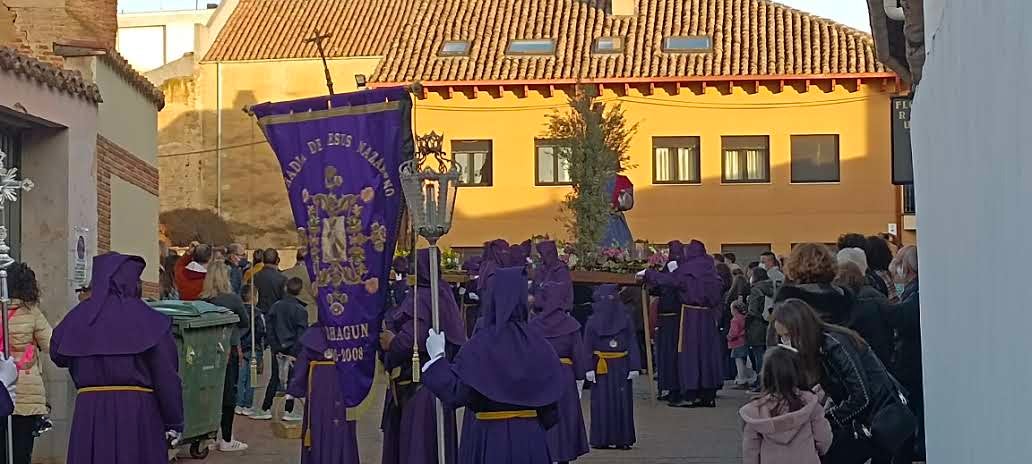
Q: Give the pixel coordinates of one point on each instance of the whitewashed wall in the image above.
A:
(972, 138)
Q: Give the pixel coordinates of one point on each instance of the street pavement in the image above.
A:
(665, 435)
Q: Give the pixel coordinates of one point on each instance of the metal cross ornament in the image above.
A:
(10, 185)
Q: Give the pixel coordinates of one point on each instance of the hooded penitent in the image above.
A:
(553, 320)
(507, 360)
(114, 307)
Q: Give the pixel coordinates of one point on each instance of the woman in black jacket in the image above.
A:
(849, 374)
(866, 316)
(905, 319)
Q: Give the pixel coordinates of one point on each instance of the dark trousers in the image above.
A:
(846, 449)
(229, 394)
(22, 428)
(274, 386)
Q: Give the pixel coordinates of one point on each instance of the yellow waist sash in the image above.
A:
(506, 415)
(566, 361)
(680, 330)
(115, 388)
(603, 365)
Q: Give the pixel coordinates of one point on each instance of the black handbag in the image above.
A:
(892, 425)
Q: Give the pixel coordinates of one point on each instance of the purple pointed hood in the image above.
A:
(507, 360)
(675, 251)
(553, 320)
(608, 314)
(496, 254)
(699, 282)
(451, 318)
(114, 320)
(553, 271)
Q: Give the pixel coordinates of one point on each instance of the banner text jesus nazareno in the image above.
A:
(340, 139)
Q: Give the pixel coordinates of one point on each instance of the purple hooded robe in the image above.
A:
(609, 333)
(409, 419)
(567, 440)
(327, 436)
(508, 375)
(123, 359)
(698, 287)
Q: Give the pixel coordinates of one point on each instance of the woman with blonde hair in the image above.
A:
(218, 290)
(30, 334)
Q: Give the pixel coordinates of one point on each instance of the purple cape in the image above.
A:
(451, 319)
(508, 361)
(517, 256)
(553, 321)
(608, 315)
(114, 307)
(695, 279)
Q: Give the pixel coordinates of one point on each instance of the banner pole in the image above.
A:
(648, 342)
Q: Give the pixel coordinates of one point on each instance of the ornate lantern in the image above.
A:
(430, 182)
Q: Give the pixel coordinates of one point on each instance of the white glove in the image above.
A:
(8, 374)
(641, 273)
(632, 375)
(580, 389)
(473, 296)
(173, 437)
(590, 376)
(435, 344)
(288, 397)
(462, 290)
(671, 266)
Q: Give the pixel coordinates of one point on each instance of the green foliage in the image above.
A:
(596, 144)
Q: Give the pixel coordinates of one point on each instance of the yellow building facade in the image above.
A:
(739, 150)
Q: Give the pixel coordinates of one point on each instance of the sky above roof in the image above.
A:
(852, 13)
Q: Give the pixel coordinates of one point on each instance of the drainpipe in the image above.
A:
(218, 139)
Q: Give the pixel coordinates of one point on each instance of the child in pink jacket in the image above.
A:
(785, 425)
(736, 343)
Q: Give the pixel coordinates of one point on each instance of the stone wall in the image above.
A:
(33, 26)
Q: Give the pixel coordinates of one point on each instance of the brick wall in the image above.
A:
(32, 26)
(113, 160)
(151, 290)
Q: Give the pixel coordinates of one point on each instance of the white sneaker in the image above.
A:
(261, 415)
(231, 446)
(248, 412)
(238, 411)
(293, 416)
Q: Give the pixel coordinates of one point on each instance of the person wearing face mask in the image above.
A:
(905, 319)
(867, 408)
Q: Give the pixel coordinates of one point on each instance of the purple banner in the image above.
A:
(340, 158)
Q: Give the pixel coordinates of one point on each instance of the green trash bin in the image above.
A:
(202, 332)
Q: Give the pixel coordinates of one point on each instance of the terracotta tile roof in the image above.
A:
(273, 29)
(750, 38)
(64, 80)
(134, 78)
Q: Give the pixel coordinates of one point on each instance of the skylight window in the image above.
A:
(454, 48)
(687, 44)
(531, 47)
(609, 45)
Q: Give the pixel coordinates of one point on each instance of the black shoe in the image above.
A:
(663, 397)
(681, 404)
(702, 404)
(624, 447)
